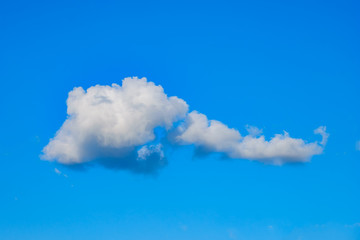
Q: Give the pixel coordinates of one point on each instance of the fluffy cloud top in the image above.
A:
(214, 136)
(115, 126)
(111, 121)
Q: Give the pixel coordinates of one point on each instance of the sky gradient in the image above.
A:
(290, 66)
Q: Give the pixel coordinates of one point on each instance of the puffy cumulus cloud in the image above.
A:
(110, 124)
(211, 135)
(214, 136)
(115, 126)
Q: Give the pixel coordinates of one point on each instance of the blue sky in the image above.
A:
(277, 65)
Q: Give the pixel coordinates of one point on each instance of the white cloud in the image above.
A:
(214, 136)
(111, 121)
(57, 171)
(146, 151)
(358, 145)
(253, 131)
(322, 131)
(115, 126)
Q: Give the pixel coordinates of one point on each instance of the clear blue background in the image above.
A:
(278, 65)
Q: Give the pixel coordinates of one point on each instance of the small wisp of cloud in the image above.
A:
(322, 131)
(58, 172)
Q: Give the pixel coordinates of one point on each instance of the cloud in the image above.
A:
(322, 131)
(357, 145)
(116, 126)
(214, 136)
(109, 123)
(58, 172)
(253, 131)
